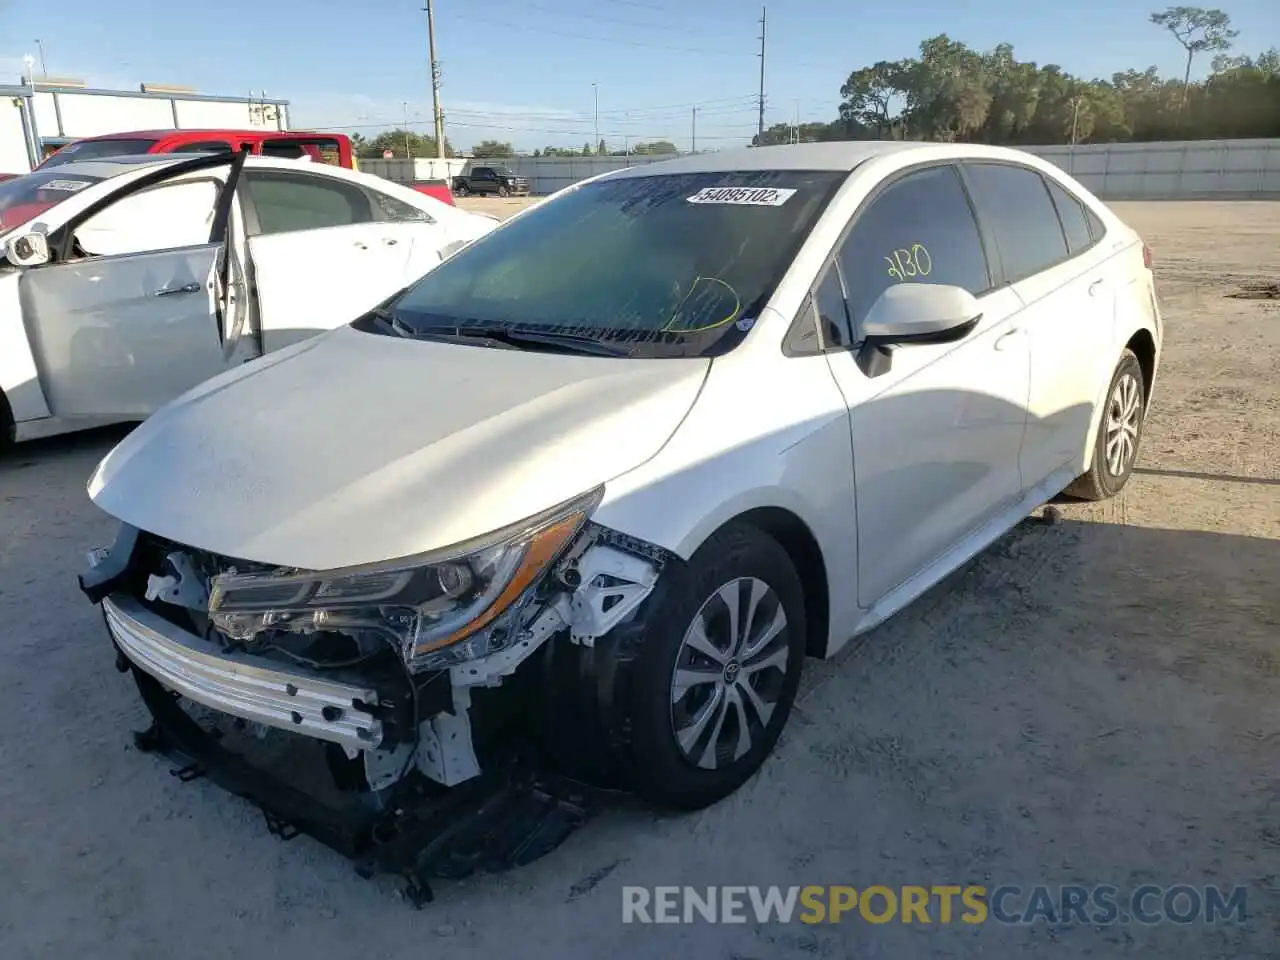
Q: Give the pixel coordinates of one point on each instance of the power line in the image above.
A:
(717, 106)
(587, 120)
(576, 15)
(582, 36)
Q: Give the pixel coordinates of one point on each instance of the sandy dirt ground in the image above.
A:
(1091, 702)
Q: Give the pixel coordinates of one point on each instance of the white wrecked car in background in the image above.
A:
(603, 480)
(128, 280)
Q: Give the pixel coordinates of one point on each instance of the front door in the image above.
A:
(131, 314)
(123, 335)
(936, 437)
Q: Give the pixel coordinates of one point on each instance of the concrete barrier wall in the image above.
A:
(1171, 170)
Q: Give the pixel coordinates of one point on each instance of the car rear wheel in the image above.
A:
(1119, 434)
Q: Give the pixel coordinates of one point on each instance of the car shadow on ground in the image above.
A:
(1083, 703)
(69, 446)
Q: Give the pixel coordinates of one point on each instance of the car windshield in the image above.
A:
(671, 265)
(97, 150)
(26, 197)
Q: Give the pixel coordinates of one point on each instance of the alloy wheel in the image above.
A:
(729, 673)
(1124, 420)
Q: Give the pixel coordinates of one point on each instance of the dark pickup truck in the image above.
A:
(495, 180)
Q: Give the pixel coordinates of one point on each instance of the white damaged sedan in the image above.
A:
(127, 280)
(604, 479)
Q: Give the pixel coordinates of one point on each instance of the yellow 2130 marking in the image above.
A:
(910, 262)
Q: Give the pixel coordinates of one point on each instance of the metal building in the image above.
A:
(38, 115)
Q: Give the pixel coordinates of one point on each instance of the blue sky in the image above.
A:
(523, 71)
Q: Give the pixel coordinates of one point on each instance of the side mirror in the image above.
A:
(27, 250)
(911, 313)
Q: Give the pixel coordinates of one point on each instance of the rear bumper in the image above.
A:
(244, 686)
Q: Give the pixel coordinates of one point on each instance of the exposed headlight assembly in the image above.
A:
(435, 608)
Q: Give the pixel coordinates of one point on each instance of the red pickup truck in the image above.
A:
(332, 148)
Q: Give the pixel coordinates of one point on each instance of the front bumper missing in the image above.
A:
(514, 812)
(509, 816)
(242, 685)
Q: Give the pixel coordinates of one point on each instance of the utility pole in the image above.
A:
(595, 102)
(693, 133)
(435, 79)
(407, 152)
(760, 125)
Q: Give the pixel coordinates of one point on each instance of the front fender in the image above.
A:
(742, 448)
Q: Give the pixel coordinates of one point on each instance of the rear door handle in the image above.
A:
(390, 241)
(192, 287)
(361, 245)
(1005, 340)
(1096, 287)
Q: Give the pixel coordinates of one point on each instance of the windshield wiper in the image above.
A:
(390, 320)
(517, 339)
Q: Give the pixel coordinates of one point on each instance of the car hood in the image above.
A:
(353, 447)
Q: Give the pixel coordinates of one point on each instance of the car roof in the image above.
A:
(833, 155)
(108, 167)
(206, 131)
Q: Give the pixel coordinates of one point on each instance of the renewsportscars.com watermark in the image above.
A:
(938, 904)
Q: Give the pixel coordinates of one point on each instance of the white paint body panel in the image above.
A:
(86, 342)
(899, 478)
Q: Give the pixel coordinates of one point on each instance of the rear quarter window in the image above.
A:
(1074, 217)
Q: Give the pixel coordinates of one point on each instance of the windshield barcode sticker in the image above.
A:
(71, 186)
(750, 196)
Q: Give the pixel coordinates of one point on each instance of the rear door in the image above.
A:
(1060, 274)
(131, 314)
(319, 253)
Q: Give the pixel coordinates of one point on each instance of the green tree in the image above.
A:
(395, 141)
(493, 148)
(869, 94)
(1198, 31)
(601, 148)
(655, 147)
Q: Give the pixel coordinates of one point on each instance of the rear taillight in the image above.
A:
(1146, 256)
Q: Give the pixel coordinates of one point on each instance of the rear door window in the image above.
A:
(393, 209)
(319, 149)
(1015, 203)
(204, 146)
(98, 150)
(920, 229)
(285, 201)
(1075, 222)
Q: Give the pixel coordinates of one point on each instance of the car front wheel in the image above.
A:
(717, 671)
(1116, 447)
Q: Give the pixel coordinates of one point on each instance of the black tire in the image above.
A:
(607, 712)
(461, 190)
(1101, 482)
(504, 192)
(8, 429)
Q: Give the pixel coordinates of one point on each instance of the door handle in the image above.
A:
(1096, 286)
(1002, 341)
(361, 245)
(390, 241)
(192, 287)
